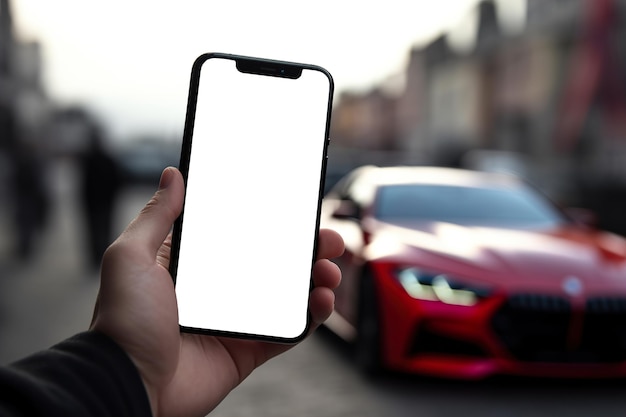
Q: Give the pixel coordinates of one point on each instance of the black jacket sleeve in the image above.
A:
(86, 375)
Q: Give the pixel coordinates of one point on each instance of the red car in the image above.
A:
(464, 274)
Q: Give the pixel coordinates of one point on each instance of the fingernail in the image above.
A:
(166, 178)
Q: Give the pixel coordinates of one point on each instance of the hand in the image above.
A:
(184, 374)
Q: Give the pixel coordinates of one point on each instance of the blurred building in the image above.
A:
(367, 121)
(552, 92)
(21, 90)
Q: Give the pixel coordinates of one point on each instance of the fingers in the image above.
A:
(326, 277)
(154, 222)
(330, 244)
(326, 274)
(321, 305)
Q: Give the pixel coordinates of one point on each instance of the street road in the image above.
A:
(51, 297)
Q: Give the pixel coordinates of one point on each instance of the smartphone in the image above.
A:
(254, 159)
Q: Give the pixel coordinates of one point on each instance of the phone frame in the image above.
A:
(260, 66)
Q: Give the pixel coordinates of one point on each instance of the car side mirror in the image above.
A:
(582, 216)
(347, 210)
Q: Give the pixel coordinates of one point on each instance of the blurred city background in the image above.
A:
(531, 87)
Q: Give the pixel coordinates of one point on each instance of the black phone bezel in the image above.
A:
(260, 66)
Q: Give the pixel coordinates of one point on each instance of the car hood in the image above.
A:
(525, 257)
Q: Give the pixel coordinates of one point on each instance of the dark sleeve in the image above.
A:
(86, 375)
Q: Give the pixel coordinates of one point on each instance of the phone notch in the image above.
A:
(272, 69)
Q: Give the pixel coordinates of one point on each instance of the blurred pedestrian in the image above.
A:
(31, 197)
(28, 195)
(99, 189)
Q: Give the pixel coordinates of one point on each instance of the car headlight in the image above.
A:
(430, 286)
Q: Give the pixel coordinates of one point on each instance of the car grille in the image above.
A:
(605, 328)
(426, 341)
(543, 328)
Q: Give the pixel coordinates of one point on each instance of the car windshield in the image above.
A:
(503, 206)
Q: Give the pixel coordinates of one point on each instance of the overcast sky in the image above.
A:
(131, 59)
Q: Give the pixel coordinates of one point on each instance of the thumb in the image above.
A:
(155, 220)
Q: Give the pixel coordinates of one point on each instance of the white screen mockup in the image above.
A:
(249, 227)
